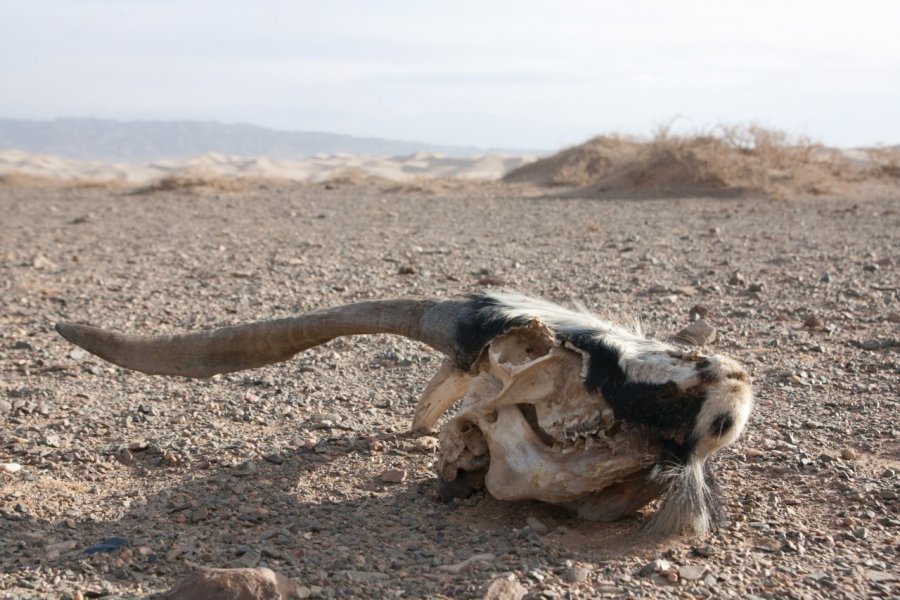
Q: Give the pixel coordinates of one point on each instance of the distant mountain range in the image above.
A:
(142, 141)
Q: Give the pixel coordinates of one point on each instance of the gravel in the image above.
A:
(283, 467)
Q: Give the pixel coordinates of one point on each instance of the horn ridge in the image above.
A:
(433, 321)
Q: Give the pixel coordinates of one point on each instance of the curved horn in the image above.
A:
(203, 354)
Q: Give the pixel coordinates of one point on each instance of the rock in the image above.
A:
(42, 263)
(814, 322)
(698, 333)
(426, 444)
(53, 551)
(698, 311)
(274, 458)
(893, 317)
(657, 289)
(237, 584)
(246, 468)
(393, 475)
(737, 279)
(861, 533)
(685, 290)
(107, 545)
(576, 574)
(52, 440)
(464, 565)
(199, 514)
(657, 565)
(10, 467)
(849, 454)
(250, 558)
(505, 589)
(692, 572)
(536, 526)
(125, 457)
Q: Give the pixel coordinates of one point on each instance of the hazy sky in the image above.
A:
(515, 74)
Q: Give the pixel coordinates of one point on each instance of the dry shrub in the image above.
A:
(726, 161)
(177, 183)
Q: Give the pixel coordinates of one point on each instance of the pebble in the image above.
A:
(692, 572)
(246, 468)
(464, 565)
(426, 444)
(10, 467)
(505, 589)
(849, 454)
(250, 558)
(52, 440)
(237, 584)
(536, 525)
(199, 514)
(861, 533)
(736, 279)
(655, 566)
(393, 475)
(274, 458)
(698, 333)
(576, 574)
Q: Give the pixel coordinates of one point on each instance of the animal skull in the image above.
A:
(528, 424)
(556, 405)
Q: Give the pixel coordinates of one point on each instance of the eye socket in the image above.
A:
(721, 425)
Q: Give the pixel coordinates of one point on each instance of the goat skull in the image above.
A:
(557, 406)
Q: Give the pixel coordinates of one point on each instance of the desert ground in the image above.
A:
(130, 482)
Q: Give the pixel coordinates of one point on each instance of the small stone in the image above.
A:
(393, 475)
(107, 545)
(505, 589)
(887, 494)
(10, 467)
(692, 572)
(406, 270)
(698, 311)
(125, 457)
(814, 322)
(464, 565)
(893, 317)
(246, 468)
(849, 454)
(685, 290)
(655, 566)
(199, 514)
(755, 288)
(736, 279)
(426, 444)
(274, 458)
(576, 574)
(861, 533)
(237, 584)
(698, 333)
(536, 525)
(657, 289)
(52, 440)
(168, 459)
(42, 263)
(78, 355)
(248, 559)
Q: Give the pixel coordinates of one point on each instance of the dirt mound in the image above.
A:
(732, 161)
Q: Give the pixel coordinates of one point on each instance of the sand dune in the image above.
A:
(17, 164)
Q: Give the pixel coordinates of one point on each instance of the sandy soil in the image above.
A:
(221, 169)
(282, 466)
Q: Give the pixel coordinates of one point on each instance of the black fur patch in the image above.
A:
(658, 405)
(478, 325)
(721, 425)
